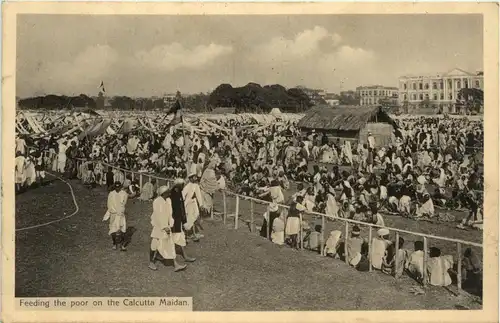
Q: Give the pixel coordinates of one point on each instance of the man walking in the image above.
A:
(191, 194)
(117, 199)
(162, 242)
(179, 216)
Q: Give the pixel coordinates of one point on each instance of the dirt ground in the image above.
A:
(235, 269)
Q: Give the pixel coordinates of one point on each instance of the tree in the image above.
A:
(470, 99)
(122, 103)
(349, 99)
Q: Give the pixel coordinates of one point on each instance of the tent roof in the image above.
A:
(348, 118)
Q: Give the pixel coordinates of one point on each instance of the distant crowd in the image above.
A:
(430, 162)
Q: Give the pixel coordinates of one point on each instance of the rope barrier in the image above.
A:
(77, 209)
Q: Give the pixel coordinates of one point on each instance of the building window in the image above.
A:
(426, 85)
(434, 86)
(435, 97)
(370, 92)
(441, 96)
(450, 96)
(466, 84)
(426, 96)
(459, 84)
(404, 97)
(413, 97)
(404, 86)
(450, 84)
(414, 86)
(441, 85)
(477, 84)
(421, 96)
(420, 86)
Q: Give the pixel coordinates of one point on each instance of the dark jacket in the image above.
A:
(178, 211)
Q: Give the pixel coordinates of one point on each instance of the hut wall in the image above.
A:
(381, 131)
(333, 135)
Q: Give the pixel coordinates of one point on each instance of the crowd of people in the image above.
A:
(431, 162)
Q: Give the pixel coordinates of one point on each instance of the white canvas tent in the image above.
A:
(275, 112)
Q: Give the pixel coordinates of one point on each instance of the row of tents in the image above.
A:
(90, 124)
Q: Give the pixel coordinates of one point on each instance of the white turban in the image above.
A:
(162, 189)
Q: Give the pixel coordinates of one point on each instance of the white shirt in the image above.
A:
(116, 202)
(161, 217)
(371, 142)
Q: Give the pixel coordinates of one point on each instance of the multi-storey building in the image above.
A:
(332, 99)
(439, 90)
(376, 94)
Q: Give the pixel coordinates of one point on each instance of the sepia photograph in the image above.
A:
(252, 162)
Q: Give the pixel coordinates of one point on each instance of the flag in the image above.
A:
(176, 111)
(101, 87)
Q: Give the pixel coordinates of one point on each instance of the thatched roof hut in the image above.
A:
(349, 122)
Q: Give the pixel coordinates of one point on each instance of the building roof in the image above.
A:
(376, 87)
(349, 118)
(453, 72)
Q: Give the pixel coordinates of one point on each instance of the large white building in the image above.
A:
(440, 90)
(376, 94)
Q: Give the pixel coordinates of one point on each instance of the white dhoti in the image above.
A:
(278, 237)
(192, 214)
(404, 204)
(426, 209)
(20, 177)
(117, 223)
(292, 226)
(165, 246)
(394, 202)
(179, 238)
(55, 163)
(207, 201)
(61, 163)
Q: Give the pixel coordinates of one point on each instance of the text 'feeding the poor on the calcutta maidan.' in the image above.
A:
(107, 303)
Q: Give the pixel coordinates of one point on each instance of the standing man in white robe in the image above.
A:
(61, 157)
(192, 200)
(162, 243)
(117, 199)
(20, 173)
(21, 145)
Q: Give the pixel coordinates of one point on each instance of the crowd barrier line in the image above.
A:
(77, 208)
(371, 226)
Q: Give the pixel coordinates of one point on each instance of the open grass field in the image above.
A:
(235, 269)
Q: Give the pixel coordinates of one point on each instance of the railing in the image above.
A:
(223, 197)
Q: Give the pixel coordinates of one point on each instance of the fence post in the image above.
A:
(346, 259)
(225, 207)
(133, 175)
(459, 267)
(370, 249)
(424, 274)
(236, 212)
(301, 236)
(140, 180)
(268, 229)
(396, 256)
(252, 224)
(322, 244)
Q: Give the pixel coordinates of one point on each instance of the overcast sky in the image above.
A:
(153, 55)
